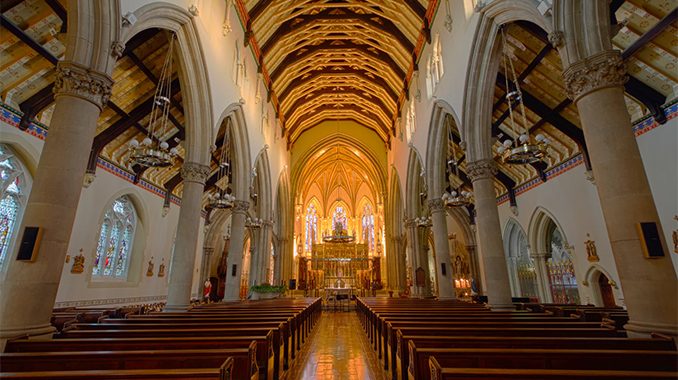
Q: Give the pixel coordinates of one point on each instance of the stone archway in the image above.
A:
(395, 236)
(417, 223)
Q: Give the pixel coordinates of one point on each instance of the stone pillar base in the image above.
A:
(635, 329)
(38, 332)
(176, 308)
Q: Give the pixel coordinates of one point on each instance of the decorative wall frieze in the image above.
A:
(111, 301)
(73, 79)
(195, 172)
(436, 205)
(481, 169)
(599, 71)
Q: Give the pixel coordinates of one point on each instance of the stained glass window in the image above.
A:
(311, 226)
(339, 220)
(116, 236)
(12, 191)
(368, 227)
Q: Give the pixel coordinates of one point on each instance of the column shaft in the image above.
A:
(188, 229)
(489, 234)
(650, 288)
(232, 292)
(442, 250)
(29, 289)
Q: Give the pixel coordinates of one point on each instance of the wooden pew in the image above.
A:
(222, 373)
(264, 353)
(243, 361)
(402, 361)
(438, 372)
(524, 358)
(270, 372)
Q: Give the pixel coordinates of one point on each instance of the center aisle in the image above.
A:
(338, 350)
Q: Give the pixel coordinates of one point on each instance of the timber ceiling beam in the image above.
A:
(328, 91)
(337, 110)
(362, 74)
(308, 51)
(33, 105)
(25, 38)
(417, 8)
(378, 23)
(60, 11)
(6, 5)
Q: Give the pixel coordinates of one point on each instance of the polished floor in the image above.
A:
(338, 350)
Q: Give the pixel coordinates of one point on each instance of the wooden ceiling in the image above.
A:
(337, 59)
(647, 40)
(334, 59)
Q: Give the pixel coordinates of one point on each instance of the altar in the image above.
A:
(337, 265)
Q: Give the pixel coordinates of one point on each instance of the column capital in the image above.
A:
(409, 223)
(436, 205)
(601, 70)
(194, 172)
(76, 80)
(240, 207)
(481, 169)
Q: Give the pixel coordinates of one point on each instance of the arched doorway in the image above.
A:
(560, 267)
(605, 288)
(522, 271)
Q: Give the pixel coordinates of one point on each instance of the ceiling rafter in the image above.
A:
(362, 74)
(331, 45)
(325, 91)
(25, 38)
(379, 23)
(334, 109)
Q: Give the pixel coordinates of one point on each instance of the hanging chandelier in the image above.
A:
(423, 221)
(153, 151)
(523, 149)
(456, 197)
(221, 198)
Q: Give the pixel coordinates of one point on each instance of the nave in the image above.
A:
(164, 165)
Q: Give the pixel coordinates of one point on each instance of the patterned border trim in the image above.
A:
(111, 301)
(640, 127)
(12, 117)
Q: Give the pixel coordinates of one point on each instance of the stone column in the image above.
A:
(491, 245)
(650, 287)
(30, 287)
(475, 268)
(514, 280)
(206, 266)
(188, 229)
(232, 292)
(542, 277)
(422, 257)
(442, 250)
(412, 241)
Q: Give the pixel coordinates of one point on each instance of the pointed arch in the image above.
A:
(482, 71)
(193, 77)
(542, 222)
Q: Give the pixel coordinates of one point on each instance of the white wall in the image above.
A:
(150, 238)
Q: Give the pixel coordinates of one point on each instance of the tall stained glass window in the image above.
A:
(339, 220)
(311, 226)
(368, 227)
(116, 236)
(13, 188)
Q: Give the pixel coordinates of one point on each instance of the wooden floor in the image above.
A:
(338, 350)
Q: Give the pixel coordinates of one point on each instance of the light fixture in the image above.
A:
(423, 221)
(221, 198)
(153, 151)
(456, 197)
(523, 149)
(253, 222)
